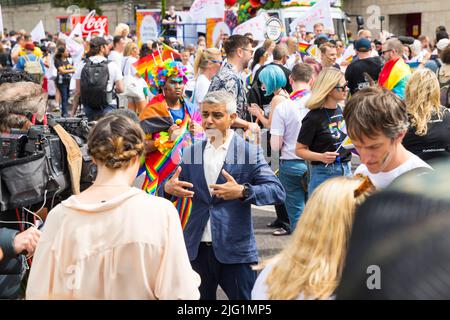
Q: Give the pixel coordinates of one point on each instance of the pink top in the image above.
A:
(129, 247)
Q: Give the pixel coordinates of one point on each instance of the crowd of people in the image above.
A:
(350, 124)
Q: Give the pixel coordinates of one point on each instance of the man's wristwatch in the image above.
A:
(246, 191)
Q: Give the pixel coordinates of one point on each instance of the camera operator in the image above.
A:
(19, 97)
(12, 245)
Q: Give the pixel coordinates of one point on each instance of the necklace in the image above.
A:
(109, 185)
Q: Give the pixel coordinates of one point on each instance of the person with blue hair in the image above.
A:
(273, 81)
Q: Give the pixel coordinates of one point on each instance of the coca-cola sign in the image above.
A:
(91, 24)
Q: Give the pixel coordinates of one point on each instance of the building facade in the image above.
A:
(401, 17)
(25, 14)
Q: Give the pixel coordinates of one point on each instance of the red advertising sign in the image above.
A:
(91, 24)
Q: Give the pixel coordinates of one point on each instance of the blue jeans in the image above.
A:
(291, 173)
(95, 114)
(64, 89)
(320, 172)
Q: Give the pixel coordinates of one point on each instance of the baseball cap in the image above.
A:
(363, 45)
(442, 44)
(98, 42)
(323, 36)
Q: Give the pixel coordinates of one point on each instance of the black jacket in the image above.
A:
(11, 266)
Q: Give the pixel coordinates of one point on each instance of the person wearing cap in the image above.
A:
(98, 53)
(357, 71)
(29, 50)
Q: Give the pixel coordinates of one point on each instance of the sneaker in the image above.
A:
(281, 232)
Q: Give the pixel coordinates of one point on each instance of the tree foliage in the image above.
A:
(88, 4)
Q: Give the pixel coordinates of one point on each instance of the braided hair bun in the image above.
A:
(115, 141)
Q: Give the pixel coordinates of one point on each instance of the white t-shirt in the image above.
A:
(117, 58)
(213, 162)
(127, 67)
(383, 179)
(115, 74)
(201, 88)
(286, 122)
(290, 63)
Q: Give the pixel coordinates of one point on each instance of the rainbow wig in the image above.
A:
(162, 71)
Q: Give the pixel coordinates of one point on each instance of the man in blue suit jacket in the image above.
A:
(224, 175)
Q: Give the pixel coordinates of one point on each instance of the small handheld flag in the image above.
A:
(303, 47)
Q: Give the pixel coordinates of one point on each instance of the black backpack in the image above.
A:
(94, 82)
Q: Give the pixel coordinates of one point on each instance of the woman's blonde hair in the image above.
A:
(121, 27)
(129, 47)
(311, 264)
(423, 99)
(203, 57)
(325, 82)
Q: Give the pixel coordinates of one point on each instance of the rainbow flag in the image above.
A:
(146, 63)
(184, 207)
(303, 47)
(395, 76)
(170, 53)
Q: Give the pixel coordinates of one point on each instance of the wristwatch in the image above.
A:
(246, 191)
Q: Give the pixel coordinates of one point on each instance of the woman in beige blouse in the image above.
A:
(113, 241)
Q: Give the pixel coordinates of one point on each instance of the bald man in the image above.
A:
(293, 55)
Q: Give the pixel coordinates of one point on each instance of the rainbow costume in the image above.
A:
(156, 120)
(395, 76)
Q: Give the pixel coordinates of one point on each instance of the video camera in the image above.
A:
(34, 162)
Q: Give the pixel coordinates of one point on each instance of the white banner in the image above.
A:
(76, 32)
(202, 9)
(1, 21)
(38, 32)
(320, 12)
(75, 49)
(256, 26)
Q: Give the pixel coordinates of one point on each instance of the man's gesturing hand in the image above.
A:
(230, 190)
(177, 188)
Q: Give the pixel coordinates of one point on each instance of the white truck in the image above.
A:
(286, 14)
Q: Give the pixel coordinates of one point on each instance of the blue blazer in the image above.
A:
(231, 221)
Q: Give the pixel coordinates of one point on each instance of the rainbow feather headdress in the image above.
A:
(160, 72)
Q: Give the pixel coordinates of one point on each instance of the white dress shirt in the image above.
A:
(213, 160)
